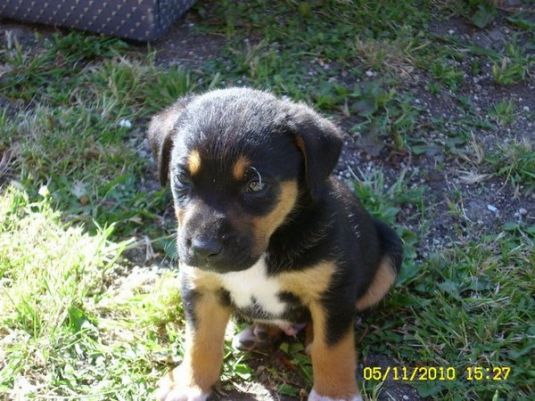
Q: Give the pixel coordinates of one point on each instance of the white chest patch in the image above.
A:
(254, 284)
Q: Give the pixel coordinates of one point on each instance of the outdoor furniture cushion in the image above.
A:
(131, 19)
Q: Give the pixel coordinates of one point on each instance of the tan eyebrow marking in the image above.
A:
(194, 162)
(240, 166)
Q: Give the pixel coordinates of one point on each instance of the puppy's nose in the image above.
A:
(206, 247)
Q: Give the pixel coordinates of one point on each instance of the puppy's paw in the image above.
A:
(314, 396)
(171, 389)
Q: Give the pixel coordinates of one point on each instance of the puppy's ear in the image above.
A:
(319, 140)
(161, 134)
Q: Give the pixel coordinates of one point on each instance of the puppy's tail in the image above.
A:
(388, 269)
(391, 245)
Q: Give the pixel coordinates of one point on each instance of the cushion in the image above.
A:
(132, 19)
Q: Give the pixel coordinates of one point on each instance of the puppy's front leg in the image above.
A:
(206, 321)
(333, 360)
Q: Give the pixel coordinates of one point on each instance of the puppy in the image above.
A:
(264, 231)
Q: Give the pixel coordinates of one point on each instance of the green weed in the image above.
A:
(55, 68)
(503, 112)
(512, 67)
(447, 74)
(385, 113)
(515, 162)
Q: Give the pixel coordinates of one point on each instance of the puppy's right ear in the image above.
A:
(320, 142)
(161, 134)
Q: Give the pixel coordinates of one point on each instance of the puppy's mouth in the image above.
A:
(219, 266)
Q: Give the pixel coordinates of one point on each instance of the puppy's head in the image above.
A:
(239, 162)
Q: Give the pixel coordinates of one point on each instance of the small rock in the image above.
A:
(492, 208)
(496, 35)
(43, 191)
(79, 189)
(124, 123)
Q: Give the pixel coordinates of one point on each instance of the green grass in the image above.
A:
(386, 202)
(68, 327)
(515, 162)
(468, 306)
(83, 158)
(79, 320)
(512, 66)
(55, 67)
(503, 112)
(384, 113)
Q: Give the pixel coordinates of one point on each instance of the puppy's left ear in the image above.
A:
(162, 130)
(320, 142)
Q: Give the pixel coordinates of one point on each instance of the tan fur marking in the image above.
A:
(194, 162)
(239, 168)
(204, 344)
(309, 337)
(381, 283)
(333, 365)
(300, 143)
(264, 226)
(308, 284)
(179, 215)
(201, 280)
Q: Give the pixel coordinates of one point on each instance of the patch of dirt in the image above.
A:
(26, 35)
(457, 177)
(184, 46)
(250, 392)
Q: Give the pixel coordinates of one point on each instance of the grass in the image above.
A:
(515, 162)
(384, 113)
(469, 306)
(512, 66)
(504, 112)
(65, 330)
(80, 208)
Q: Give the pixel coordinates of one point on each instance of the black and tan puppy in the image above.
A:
(264, 231)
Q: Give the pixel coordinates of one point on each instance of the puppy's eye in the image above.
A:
(182, 179)
(182, 183)
(255, 186)
(256, 183)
